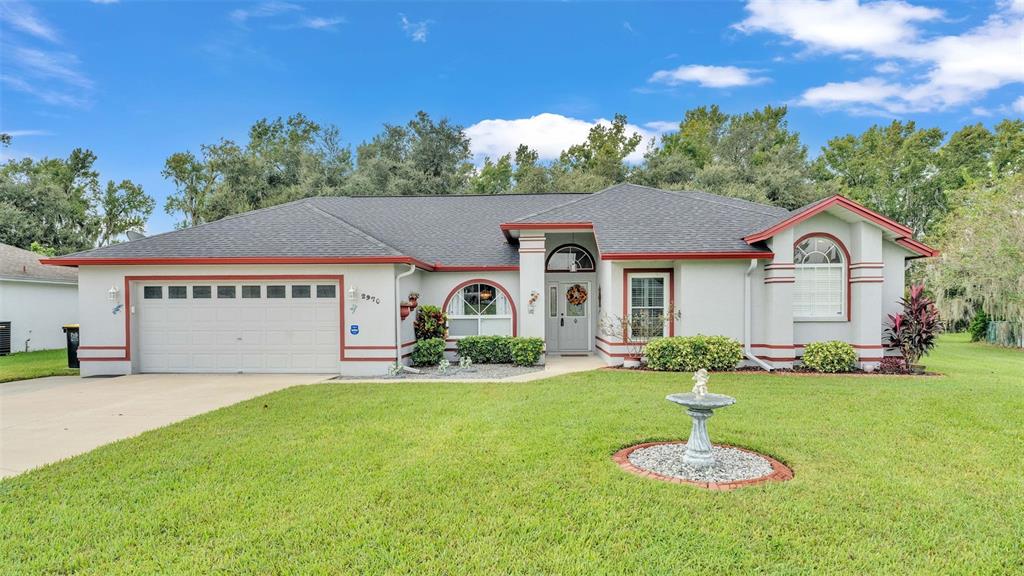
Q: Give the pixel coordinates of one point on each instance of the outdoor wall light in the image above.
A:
(353, 295)
(112, 294)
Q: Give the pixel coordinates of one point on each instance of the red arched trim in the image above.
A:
(585, 251)
(846, 264)
(508, 296)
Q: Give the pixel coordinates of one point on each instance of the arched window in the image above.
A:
(820, 289)
(478, 308)
(570, 258)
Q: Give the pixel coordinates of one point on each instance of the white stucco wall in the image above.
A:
(711, 297)
(37, 310)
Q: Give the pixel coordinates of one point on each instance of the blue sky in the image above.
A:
(137, 81)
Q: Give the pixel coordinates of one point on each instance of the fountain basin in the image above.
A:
(700, 407)
(702, 402)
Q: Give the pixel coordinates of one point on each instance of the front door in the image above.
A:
(569, 315)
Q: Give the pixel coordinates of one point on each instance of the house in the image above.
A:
(316, 285)
(37, 300)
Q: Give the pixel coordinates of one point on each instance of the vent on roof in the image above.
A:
(133, 235)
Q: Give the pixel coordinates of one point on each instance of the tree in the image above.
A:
(422, 157)
(493, 177)
(1008, 149)
(123, 207)
(529, 175)
(5, 139)
(601, 158)
(891, 169)
(966, 157)
(193, 181)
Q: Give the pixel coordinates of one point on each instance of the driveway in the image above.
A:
(49, 419)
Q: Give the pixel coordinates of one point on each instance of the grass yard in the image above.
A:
(893, 475)
(25, 365)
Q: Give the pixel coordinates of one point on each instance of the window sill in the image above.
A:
(821, 319)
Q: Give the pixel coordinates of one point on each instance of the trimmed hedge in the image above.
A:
(501, 349)
(691, 353)
(526, 351)
(428, 352)
(832, 356)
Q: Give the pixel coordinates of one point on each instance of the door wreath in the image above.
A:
(576, 295)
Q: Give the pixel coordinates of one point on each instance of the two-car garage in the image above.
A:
(237, 324)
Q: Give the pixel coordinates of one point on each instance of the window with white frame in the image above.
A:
(648, 301)
(820, 289)
(479, 309)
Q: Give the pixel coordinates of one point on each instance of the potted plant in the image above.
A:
(913, 331)
(413, 299)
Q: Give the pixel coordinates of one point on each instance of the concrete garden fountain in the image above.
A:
(697, 461)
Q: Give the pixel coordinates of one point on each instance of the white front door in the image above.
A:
(568, 322)
(238, 326)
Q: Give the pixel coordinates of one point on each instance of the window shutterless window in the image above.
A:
(251, 291)
(325, 291)
(177, 292)
(275, 291)
(201, 292)
(225, 291)
(152, 292)
(479, 310)
(648, 305)
(819, 291)
(300, 291)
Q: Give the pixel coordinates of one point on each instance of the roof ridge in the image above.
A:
(351, 226)
(200, 225)
(583, 196)
(713, 198)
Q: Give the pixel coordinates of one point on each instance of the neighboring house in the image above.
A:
(37, 300)
(316, 285)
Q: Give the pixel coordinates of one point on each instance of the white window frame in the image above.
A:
(843, 285)
(457, 297)
(666, 300)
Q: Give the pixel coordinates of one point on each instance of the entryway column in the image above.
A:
(866, 277)
(531, 284)
(778, 310)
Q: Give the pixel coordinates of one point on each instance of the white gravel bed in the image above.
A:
(477, 371)
(730, 464)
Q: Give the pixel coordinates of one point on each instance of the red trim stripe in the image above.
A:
(685, 255)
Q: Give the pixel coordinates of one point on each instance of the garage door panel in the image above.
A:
(238, 334)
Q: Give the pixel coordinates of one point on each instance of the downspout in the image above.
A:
(398, 319)
(747, 313)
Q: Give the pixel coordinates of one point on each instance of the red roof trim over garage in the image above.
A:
(906, 234)
(235, 260)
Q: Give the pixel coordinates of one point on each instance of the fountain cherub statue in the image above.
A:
(700, 382)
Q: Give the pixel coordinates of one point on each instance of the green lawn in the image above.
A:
(25, 365)
(893, 475)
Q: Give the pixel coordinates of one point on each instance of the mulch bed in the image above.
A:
(780, 472)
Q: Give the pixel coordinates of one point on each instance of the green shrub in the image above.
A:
(832, 356)
(526, 351)
(979, 326)
(428, 352)
(691, 353)
(430, 323)
(486, 349)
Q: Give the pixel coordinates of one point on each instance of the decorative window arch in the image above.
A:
(480, 307)
(821, 290)
(563, 259)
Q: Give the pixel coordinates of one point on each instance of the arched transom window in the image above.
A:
(570, 258)
(820, 289)
(479, 309)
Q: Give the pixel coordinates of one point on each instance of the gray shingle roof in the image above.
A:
(463, 230)
(24, 265)
(631, 218)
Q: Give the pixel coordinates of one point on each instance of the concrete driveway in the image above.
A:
(48, 419)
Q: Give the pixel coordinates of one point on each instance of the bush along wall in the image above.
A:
(430, 323)
(832, 356)
(501, 349)
(428, 352)
(691, 353)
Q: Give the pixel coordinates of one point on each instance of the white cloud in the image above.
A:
(417, 31)
(981, 111)
(24, 133)
(45, 65)
(840, 25)
(662, 126)
(263, 10)
(549, 134)
(707, 76)
(105, 1)
(23, 17)
(321, 23)
(1018, 105)
(955, 70)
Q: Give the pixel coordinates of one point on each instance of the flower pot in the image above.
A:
(405, 309)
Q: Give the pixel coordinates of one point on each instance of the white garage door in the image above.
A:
(232, 326)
